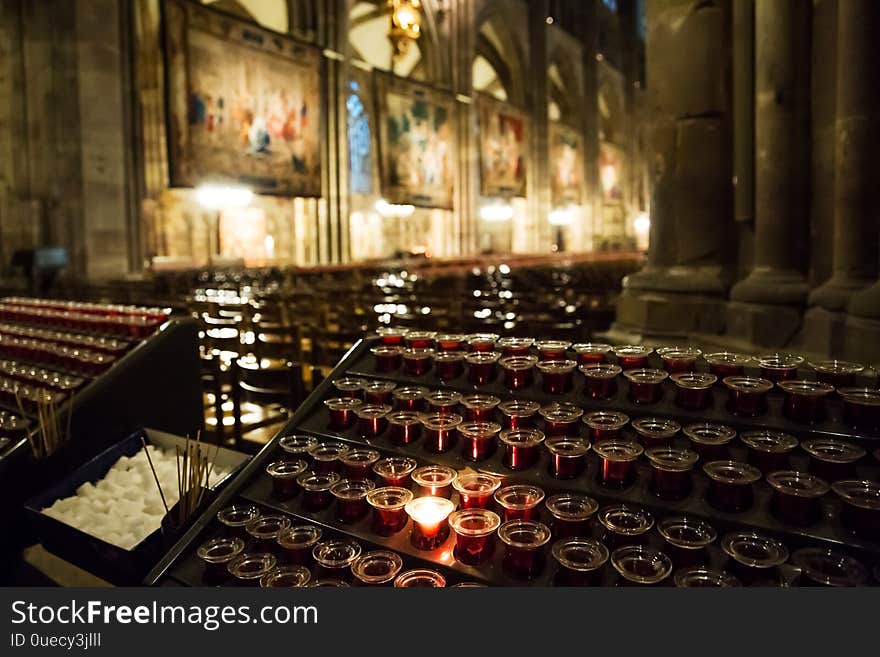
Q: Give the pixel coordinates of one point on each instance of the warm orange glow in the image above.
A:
(429, 513)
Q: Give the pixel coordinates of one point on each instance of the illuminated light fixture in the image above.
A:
(561, 216)
(642, 226)
(608, 176)
(223, 197)
(406, 24)
(496, 212)
(387, 209)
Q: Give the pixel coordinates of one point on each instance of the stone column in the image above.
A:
(538, 180)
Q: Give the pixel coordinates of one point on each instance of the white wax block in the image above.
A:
(86, 489)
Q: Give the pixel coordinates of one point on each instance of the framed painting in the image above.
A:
(503, 147)
(243, 104)
(566, 165)
(416, 142)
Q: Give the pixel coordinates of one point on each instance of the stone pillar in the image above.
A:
(538, 181)
(744, 110)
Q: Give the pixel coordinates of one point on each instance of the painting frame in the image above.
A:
(439, 196)
(295, 169)
(493, 183)
(566, 153)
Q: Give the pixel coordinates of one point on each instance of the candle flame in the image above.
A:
(429, 511)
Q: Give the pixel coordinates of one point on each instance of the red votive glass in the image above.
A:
(519, 371)
(429, 515)
(481, 366)
(568, 456)
(632, 356)
(557, 376)
(478, 439)
(379, 392)
(655, 431)
(671, 471)
(804, 401)
(395, 470)
(591, 353)
(709, 440)
(523, 540)
(420, 578)
(796, 496)
(617, 462)
(861, 407)
(571, 514)
(450, 341)
(444, 402)
(779, 367)
(754, 558)
(747, 395)
(296, 446)
(248, 569)
(475, 489)
(236, 517)
(420, 339)
(434, 480)
(518, 414)
(645, 385)
(561, 419)
(623, 524)
(349, 387)
(521, 447)
(474, 540)
(295, 544)
(600, 379)
(264, 531)
(827, 567)
(768, 450)
(679, 359)
(833, 460)
(410, 398)
(579, 560)
(605, 425)
(727, 363)
(358, 463)
(334, 558)
(837, 373)
(439, 431)
(404, 427)
(389, 514)
(448, 365)
(482, 341)
(372, 420)
(388, 359)
(702, 577)
(519, 502)
(687, 540)
(326, 456)
(286, 577)
(552, 349)
(417, 362)
(284, 474)
(316, 487)
(693, 390)
(217, 554)
(392, 335)
(730, 485)
(514, 346)
(341, 410)
(637, 565)
(861, 506)
(351, 499)
(377, 568)
(480, 408)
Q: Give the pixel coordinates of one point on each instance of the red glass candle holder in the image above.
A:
(632, 356)
(702, 577)
(557, 376)
(296, 446)
(710, 441)
(392, 335)
(475, 489)
(833, 460)
(523, 540)
(439, 431)
(552, 349)
(514, 346)
(358, 463)
(568, 456)
(325, 456)
(395, 471)
(671, 470)
(605, 425)
(341, 411)
(617, 462)
(316, 489)
(679, 359)
(420, 339)
(443, 402)
(804, 401)
(623, 524)
(372, 420)
(521, 447)
(768, 450)
(561, 419)
(349, 387)
(779, 367)
(249, 569)
(450, 341)
(429, 515)
(420, 578)
(481, 366)
(727, 363)
(747, 395)
(334, 558)
(861, 506)
(730, 485)
(754, 558)
(600, 380)
(796, 496)
(236, 517)
(389, 515)
(693, 390)
(286, 577)
(645, 385)
(379, 392)
(518, 414)
(519, 371)
(295, 544)
(482, 341)
(478, 439)
(519, 502)
(480, 408)
(388, 359)
(637, 565)
(448, 365)
(591, 353)
(827, 567)
(410, 398)
(434, 480)
(579, 560)
(263, 531)
(377, 568)
(417, 362)
(217, 554)
(571, 514)
(655, 431)
(474, 535)
(837, 373)
(284, 474)
(351, 499)
(687, 540)
(404, 427)
(861, 407)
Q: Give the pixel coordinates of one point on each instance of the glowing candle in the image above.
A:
(429, 527)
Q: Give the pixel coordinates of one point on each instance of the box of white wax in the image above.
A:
(105, 516)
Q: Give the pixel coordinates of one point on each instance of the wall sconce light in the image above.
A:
(223, 197)
(398, 210)
(496, 212)
(406, 24)
(562, 216)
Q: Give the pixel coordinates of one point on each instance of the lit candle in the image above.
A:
(429, 516)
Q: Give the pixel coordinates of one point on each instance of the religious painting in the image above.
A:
(243, 103)
(566, 165)
(503, 148)
(417, 142)
(611, 173)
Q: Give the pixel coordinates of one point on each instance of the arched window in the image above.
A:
(360, 140)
